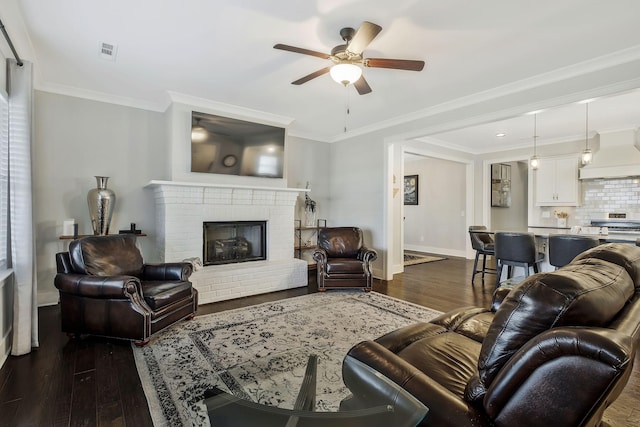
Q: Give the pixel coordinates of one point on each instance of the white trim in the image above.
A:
(551, 77)
(47, 298)
(438, 251)
(469, 205)
(234, 110)
(108, 98)
(594, 65)
(157, 183)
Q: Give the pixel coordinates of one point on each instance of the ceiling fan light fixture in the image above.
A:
(345, 74)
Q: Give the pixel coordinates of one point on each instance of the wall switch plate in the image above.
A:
(546, 214)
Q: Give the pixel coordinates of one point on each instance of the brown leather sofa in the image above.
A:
(342, 259)
(106, 289)
(557, 351)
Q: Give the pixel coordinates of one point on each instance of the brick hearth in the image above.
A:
(181, 208)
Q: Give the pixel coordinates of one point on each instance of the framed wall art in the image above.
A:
(411, 189)
(500, 185)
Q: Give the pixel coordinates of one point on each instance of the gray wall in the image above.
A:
(356, 174)
(76, 139)
(437, 223)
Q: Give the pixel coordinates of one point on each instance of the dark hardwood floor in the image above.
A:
(94, 382)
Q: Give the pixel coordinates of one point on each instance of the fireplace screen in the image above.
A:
(234, 241)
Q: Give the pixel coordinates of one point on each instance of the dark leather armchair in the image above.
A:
(557, 351)
(106, 289)
(343, 260)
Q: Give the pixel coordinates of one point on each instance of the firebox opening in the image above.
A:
(234, 241)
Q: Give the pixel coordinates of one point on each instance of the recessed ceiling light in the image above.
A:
(501, 134)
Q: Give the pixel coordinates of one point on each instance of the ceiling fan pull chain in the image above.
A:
(346, 106)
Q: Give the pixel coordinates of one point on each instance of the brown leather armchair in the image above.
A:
(343, 260)
(106, 289)
(557, 351)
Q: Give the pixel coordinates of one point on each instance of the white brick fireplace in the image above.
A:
(181, 209)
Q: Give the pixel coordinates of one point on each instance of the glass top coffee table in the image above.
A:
(378, 402)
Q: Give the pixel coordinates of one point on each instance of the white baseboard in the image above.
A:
(439, 251)
(46, 298)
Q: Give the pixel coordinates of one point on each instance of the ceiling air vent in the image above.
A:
(107, 51)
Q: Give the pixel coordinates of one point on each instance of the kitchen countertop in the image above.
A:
(544, 232)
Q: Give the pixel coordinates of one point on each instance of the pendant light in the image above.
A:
(535, 160)
(587, 155)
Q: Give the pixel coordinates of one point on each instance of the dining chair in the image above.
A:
(563, 248)
(483, 244)
(516, 250)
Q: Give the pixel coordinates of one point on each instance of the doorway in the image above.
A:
(456, 244)
(509, 183)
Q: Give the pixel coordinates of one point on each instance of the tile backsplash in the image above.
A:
(603, 196)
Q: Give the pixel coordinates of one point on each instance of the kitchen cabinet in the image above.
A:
(556, 182)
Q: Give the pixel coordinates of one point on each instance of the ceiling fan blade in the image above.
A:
(311, 76)
(365, 34)
(362, 86)
(301, 50)
(398, 64)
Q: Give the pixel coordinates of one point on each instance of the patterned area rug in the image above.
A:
(260, 352)
(415, 258)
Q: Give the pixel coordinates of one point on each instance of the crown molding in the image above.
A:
(234, 110)
(619, 58)
(99, 96)
(604, 62)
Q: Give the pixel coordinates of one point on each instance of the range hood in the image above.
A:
(618, 157)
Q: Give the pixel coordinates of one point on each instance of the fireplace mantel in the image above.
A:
(183, 207)
(156, 183)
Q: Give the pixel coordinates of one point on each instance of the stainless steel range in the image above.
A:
(618, 226)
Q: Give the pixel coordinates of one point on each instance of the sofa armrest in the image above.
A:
(97, 286)
(395, 341)
(472, 322)
(167, 271)
(540, 381)
(445, 408)
(367, 255)
(499, 295)
(320, 256)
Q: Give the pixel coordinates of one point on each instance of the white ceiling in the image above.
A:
(509, 56)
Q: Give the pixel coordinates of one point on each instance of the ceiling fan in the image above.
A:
(347, 58)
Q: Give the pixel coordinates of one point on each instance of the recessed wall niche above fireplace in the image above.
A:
(226, 242)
